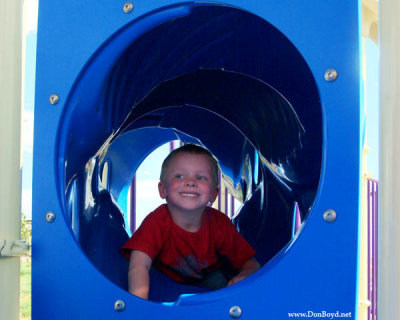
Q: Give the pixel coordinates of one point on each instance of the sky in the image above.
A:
(372, 106)
(148, 178)
(29, 34)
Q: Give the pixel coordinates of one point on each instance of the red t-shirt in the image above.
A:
(188, 256)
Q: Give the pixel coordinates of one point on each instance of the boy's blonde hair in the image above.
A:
(193, 149)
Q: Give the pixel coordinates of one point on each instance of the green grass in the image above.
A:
(25, 289)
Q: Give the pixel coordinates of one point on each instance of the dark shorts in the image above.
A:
(217, 279)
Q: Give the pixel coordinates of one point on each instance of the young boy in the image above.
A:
(185, 238)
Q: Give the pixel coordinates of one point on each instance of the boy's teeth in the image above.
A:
(188, 194)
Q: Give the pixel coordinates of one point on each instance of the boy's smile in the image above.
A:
(188, 184)
(190, 195)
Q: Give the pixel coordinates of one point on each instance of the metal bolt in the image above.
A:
(331, 75)
(330, 215)
(128, 7)
(235, 312)
(119, 305)
(50, 217)
(54, 98)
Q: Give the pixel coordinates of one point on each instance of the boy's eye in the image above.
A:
(202, 178)
(179, 176)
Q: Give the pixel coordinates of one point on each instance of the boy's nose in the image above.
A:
(190, 182)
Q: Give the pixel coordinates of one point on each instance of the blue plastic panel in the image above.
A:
(102, 62)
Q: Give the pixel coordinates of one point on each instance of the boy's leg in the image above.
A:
(214, 280)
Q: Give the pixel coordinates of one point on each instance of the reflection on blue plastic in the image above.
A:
(256, 167)
(296, 219)
(247, 83)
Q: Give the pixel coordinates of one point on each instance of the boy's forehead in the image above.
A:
(185, 160)
(188, 158)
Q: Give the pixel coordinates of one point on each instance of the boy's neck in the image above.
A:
(188, 220)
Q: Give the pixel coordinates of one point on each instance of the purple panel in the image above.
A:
(372, 207)
(133, 205)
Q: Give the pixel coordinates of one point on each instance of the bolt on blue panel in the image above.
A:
(270, 88)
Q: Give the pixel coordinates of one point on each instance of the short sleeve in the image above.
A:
(149, 237)
(231, 243)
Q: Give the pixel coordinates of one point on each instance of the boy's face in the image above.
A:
(188, 183)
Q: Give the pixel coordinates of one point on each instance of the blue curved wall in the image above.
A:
(244, 78)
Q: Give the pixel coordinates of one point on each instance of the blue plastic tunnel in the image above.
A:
(242, 80)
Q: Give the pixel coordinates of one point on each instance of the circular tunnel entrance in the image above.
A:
(217, 76)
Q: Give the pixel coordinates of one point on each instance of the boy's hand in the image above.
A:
(249, 267)
(138, 274)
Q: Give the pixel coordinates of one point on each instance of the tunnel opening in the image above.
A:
(217, 76)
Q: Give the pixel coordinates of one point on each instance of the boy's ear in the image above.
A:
(214, 195)
(162, 190)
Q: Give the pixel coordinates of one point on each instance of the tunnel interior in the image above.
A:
(217, 76)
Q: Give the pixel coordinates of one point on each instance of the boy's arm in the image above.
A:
(249, 267)
(138, 274)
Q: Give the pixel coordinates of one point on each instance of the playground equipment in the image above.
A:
(10, 166)
(389, 241)
(270, 88)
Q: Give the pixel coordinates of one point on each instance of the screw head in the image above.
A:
(128, 7)
(330, 215)
(54, 99)
(50, 217)
(119, 305)
(331, 75)
(235, 312)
